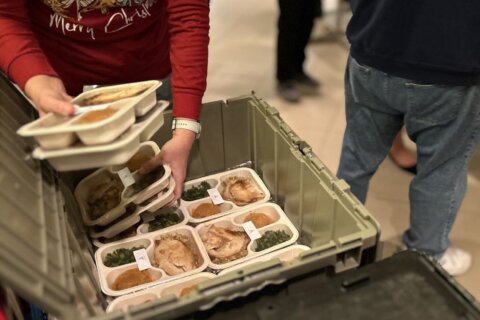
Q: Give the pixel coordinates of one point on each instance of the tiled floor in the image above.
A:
(242, 59)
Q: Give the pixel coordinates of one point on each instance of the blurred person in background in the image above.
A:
(295, 24)
(415, 64)
(52, 48)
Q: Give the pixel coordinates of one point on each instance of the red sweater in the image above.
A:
(109, 42)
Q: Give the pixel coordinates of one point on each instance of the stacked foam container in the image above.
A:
(80, 142)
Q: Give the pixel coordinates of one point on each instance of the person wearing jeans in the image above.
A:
(411, 72)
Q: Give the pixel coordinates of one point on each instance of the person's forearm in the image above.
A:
(188, 23)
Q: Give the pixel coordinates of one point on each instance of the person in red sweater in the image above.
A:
(51, 48)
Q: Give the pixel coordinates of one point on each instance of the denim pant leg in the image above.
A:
(371, 126)
(444, 122)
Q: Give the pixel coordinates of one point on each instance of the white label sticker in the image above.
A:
(126, 177)
(251, 230)
(148, 216)
(142, 260)
(215, 196)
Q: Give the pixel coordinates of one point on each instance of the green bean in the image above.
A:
(195, 193)
(163, 220)
(270, 239)
(120, 257)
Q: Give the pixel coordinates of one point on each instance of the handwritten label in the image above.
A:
(142, 260)
(126, 177)
(215, 196)
(251, 230)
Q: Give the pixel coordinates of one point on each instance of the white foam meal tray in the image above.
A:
(160, 291)
(80, 156)
(218, 182)
(95, 127)
(108, 275)
(233, 222)
(143, 226)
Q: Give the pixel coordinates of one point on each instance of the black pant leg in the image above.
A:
(308, 12)
(289, 22)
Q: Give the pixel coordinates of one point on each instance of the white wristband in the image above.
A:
(188, 125)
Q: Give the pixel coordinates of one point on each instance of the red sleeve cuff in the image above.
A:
(26, 66)
(186, 105)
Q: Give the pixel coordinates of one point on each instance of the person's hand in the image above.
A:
(175, 154)
(49, 95)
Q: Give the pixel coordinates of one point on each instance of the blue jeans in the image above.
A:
(444, 122)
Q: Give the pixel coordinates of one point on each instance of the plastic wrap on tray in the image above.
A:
(102, 197)
(240, 188)
(227, 244)
(173, 254)
(180, 288)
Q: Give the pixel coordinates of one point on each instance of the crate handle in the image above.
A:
(162, 303)
(321, 251)
(239, 276)
(354, 281)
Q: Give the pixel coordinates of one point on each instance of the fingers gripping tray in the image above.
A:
(240, 188)
(173, 254)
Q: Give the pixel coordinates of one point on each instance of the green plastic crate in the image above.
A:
(46, 257)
